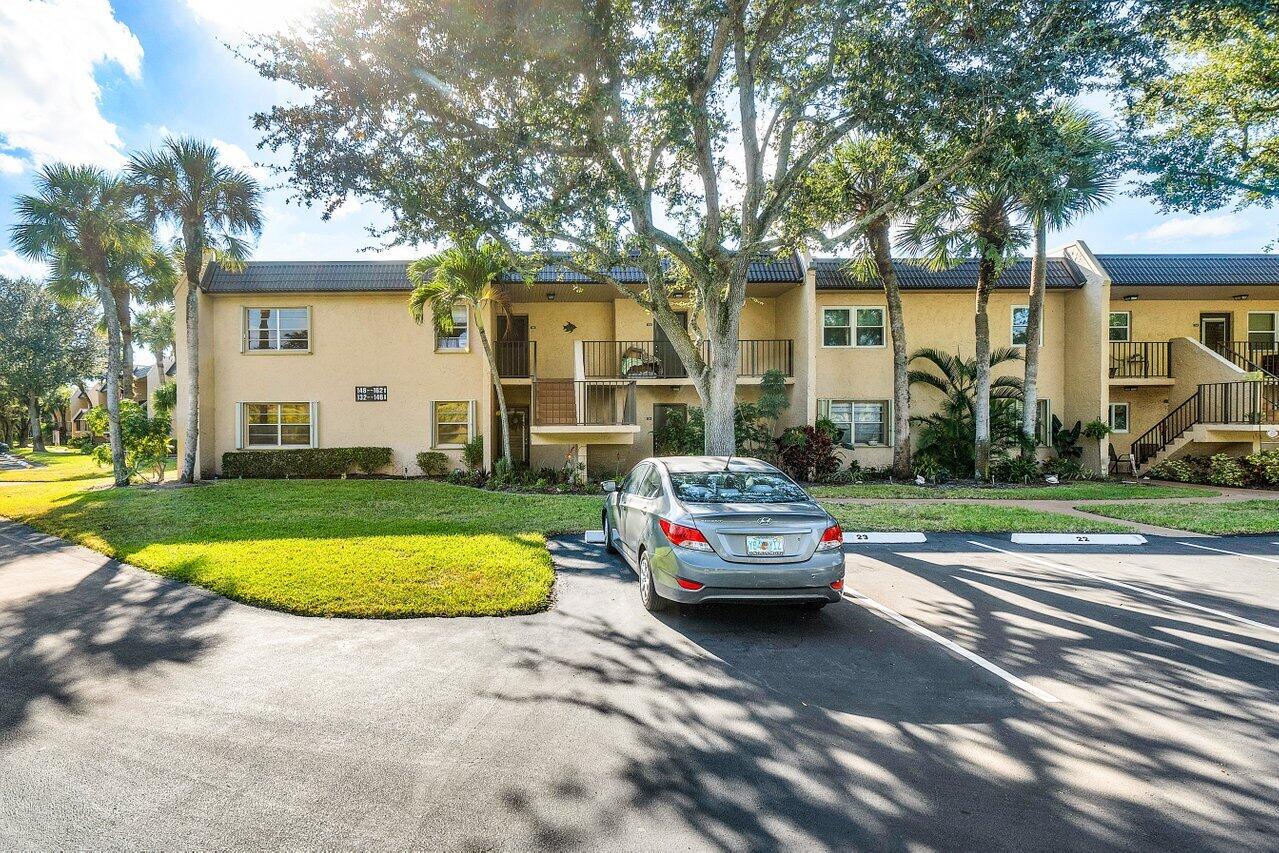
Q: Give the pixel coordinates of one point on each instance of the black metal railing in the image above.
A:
(1140, 359)
(1252, 357)
(658, 359)
(1233, 403)
(568, 402)
(516, 359)
(1168, 430)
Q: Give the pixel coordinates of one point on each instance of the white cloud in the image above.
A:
(1191, 227)
(49, 51)
(237, 158)
(253, 16)
(14, 265)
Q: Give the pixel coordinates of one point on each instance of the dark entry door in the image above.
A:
(670, 365)
(518, 416)
(1214, 331)
(512, 346)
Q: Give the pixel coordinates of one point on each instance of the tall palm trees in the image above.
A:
(468, 274)
(82, 220)
(1076, 166)
(215, 209)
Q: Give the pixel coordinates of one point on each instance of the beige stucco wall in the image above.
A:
(593, 321)
(1164, 319)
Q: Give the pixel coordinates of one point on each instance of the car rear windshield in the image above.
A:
(735, 487)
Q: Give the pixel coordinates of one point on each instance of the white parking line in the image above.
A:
(1231, 553)
(888, 613)
(1081, 573)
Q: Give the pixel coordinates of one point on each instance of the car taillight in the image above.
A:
(832, 539)
(682, 536)
(837, 585)
(688, 584)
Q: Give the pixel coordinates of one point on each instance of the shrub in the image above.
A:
(304, 463)
(82, 443)
(1014, 469)
(1176, 470)
(433, 463)
(1225, 470)
(145, 439)
(808, 452)
(473, 453)
(926, 466)
(1096, 429)
(1265, 467)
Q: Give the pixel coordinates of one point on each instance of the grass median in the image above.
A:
(53, 465)
(1256, 516)
(362, 548)
(963, 518)
(1083, 491)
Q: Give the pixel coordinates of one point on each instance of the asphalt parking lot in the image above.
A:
(970, 694)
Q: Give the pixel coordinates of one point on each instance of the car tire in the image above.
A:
(649, 597)
(608, 535)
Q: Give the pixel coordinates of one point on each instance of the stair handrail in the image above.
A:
(1231, 350)
(1176, 424)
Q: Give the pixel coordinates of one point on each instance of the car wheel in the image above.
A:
(608, 535)
(652, 602)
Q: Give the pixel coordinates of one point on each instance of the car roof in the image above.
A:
(703, 464)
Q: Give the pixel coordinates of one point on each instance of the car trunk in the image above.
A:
(728, 527)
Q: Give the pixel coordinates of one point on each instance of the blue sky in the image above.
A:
(92, 79)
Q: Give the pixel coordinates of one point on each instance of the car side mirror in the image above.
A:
(610, 486)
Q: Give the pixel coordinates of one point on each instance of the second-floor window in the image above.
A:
(853, 327)
(286, 329)
(1021, 322)
(1263, 331)
(1120, 326)
(459, 340)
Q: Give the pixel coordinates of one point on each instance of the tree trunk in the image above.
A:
(191, 355)
(881, 245)
(981, 403)
(125, 316)
(718, 387)
(33, 414)
(1034, 324)
(497, 385)
(113, 383)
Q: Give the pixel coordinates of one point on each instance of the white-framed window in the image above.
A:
(460, 340)
(1044, 421)
(1021, 322)
(870, 327)
(1118, 417)
(1120, 326)
(277, 329)
(451, 423)
(837, 327)
(278, 424)
(1263, 330)
(861, 423)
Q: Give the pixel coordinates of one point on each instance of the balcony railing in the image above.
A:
(1140, 359)
(568, 402)
(658, 360)
(516, 359)
(1251, 356)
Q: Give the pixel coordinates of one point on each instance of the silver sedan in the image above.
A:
(707, 528)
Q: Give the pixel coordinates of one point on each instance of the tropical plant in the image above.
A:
(154, 329)
(1072, 168)
(1096, 429)
(473, 453)
(977, 219)
(1225, 470)
(146, 440)
(808, 452)
(468, 274)
(82, 221)
(165, 399)
(754, 424)
(1066, 441)
(949, 434)
(216, 210)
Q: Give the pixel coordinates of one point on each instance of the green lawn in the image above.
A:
(366, 548)
(1258, 516)
(57, 463)
(1066, 492)
(962, 518)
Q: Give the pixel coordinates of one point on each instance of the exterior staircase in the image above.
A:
(1213, 414)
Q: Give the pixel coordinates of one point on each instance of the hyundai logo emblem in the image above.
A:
(765, 520)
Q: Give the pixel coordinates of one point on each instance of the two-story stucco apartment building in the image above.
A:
(1177, 352)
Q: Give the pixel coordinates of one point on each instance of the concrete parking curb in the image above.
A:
(1078, 539)
(883, 538)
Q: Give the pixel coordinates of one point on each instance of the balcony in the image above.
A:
(516, 359)
(1143, 361)
(569, 406)
(1253, 357)
(657, 359)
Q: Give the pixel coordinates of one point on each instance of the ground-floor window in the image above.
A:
(452, 420)
(1119, 417)
(278, 424)
(1044, 421)
(860, 422)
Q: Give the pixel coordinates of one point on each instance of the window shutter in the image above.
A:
(315, 424)
(470, 417)
(891, 422)
(823, 409)
(430, 423)
(239, 426)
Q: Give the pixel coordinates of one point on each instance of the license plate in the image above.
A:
(763, 546)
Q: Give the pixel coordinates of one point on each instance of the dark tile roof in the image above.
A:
(377, 276)
(141, 372)
(833, 274)
(1172, 270)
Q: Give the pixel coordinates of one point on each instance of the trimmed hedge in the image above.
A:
(433, 463)
(305, 463)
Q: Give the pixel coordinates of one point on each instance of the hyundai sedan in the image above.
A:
(710, 528)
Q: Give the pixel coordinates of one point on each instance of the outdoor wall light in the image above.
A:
(1240, 297)
(550, 295)
(1132, 297)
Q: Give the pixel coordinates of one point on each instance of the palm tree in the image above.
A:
(216, 209)
(980, 219)
(467, 274)
(81, 218)
(862, 176)
(155, 331)
(949, 434)
(1077, 170)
